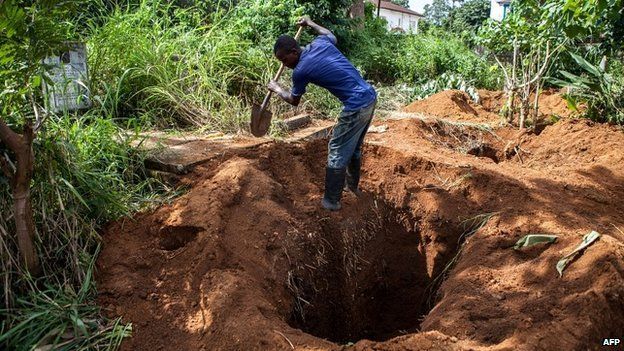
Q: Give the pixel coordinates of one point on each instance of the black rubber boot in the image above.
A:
(353, 176)
(334, 182)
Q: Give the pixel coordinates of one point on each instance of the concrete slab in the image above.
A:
(296, 122)
(321, 129)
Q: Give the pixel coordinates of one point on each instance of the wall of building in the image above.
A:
(498, 11)
(409, 23)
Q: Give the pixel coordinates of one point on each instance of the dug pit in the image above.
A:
(366, 278)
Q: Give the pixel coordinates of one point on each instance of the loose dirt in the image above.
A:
(459, 106)
(246, 260)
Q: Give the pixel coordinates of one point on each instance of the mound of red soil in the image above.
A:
(551, 103)
(578, 142)
(452, 103)
(246, 260)
(492, 101)
(457, 105)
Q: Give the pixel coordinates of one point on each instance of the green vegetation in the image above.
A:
(74, 173)
(598, 90)
(189, 68)
(541, 37)
(200, 65)
(427, 56)
(86, 173)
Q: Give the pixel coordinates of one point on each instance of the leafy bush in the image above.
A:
(445, 82)
(389, 58)
(601, 92)
(373, 49)
(424, 57)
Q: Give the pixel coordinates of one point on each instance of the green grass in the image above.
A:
(86, 174)
(182, 71)
(57, 317)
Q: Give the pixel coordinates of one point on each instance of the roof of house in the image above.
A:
(388, 5)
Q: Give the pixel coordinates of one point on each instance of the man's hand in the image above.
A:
(284, 94)
(304, 21)
(274, 87)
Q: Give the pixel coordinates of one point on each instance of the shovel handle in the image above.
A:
(267, 98)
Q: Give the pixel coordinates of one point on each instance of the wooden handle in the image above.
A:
(267, 98)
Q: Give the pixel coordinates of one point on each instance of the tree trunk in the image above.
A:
(357, 12)
(357, 9)
(21, 145)
(24, 221)
(509, 107)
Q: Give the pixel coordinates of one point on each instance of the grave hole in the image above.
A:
(374, 283)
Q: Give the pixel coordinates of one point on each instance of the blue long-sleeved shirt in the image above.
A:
(321, 63)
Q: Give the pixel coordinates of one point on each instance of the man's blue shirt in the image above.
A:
(321, 63)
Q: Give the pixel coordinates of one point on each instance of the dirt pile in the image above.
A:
(459, 106)
(247, 261)
(452, 103)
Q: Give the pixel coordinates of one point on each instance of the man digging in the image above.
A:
(321, 63)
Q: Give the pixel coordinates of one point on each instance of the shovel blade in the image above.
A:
(260, 121)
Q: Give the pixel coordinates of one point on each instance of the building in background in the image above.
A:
(500, 9)
(398, 17)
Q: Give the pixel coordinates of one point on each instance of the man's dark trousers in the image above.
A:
(345, 149)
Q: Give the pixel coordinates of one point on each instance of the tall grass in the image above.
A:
(183, 67)
(86, 173)
(59, 317)
(178, 69)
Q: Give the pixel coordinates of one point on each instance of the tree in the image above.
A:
(532, 54)
(29, 32)
(471, 15)
(404, 3)
(438, 12)
(537, 31)
(357, 10)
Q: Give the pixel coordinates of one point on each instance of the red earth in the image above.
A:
(458, 106)
(246, 259)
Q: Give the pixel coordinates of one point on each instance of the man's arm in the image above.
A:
(284, 94)
(306, 21)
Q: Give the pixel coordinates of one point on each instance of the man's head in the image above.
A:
(287, 51)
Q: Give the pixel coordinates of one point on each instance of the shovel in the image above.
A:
(260, 116)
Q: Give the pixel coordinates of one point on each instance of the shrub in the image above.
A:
(598, 90)
(426, 56)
